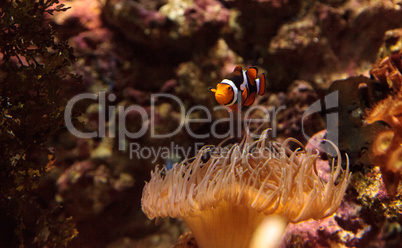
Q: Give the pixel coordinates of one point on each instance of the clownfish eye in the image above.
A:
(229, 88)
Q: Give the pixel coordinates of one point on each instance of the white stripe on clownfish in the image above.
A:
(257, 81)
(235, 91)
(245, 80)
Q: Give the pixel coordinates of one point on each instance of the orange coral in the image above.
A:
(388, 70)
(387, 147)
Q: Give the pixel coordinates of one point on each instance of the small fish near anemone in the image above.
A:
(226, 199)
(242, 83)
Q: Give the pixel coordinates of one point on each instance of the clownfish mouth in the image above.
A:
(222, 99)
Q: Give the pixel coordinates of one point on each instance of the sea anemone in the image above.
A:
(224, 195)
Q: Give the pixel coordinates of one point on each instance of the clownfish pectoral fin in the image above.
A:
(261, 85)
(237, 70)
(252, 75)
(233, 108)
(250, 99)
(212, 89)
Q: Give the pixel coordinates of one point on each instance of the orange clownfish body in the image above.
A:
(238, 82)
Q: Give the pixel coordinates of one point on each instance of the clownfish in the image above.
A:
(244, 82)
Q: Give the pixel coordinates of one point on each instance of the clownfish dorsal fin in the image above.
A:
(237, 70)
(252, 75)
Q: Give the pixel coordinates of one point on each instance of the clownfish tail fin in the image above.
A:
(261, 84)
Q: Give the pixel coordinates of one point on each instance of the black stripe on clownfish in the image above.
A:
(244, 82)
